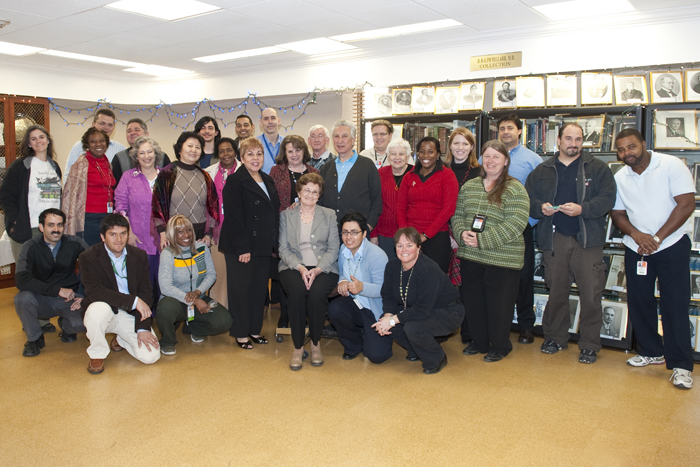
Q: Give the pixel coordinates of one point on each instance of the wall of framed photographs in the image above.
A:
(663, 104)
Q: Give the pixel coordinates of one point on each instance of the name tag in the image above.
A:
(641, 268)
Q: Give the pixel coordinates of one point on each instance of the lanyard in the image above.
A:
(404, 294)
(102, 178)
(189, 269)
(114, 268)
(269, 149)
(356, 266)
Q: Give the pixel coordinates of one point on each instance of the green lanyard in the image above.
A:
(115, 269)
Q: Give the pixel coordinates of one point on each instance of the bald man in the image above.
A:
(271, 139)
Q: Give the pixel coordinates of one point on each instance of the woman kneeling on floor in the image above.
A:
(186, 269)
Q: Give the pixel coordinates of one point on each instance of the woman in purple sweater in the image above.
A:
(132, 199)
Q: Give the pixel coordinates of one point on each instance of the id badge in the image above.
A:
(190, 313)
(378, 164)
(478, 223)
(110, 207)
(357, 303)
(641, 268)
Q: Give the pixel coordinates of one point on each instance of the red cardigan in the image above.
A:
(387, 224)
(427, 206)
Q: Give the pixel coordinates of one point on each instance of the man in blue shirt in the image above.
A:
(271, 138)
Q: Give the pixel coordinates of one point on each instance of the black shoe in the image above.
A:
(283, 324)
(412, 358)
(33, 348)
(65, 337)
(441, 365)
(587, 356)
(185, 328)
(467, 341)
(550, 347)
(48, 327)
(493, 357)
(329, 332)
(347, 356)
(526, 337)
(471, 349)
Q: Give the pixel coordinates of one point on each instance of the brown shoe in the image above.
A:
(297, 359)
(96, 366)
(316, 355)
(114, 345)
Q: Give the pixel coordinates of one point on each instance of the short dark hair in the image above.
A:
(627, 132)
(223, 140)
(410, 233)
(184, 136)
(203, 121)
(511, 117)
(429, 139)
(91, 131)
(354, 217)
(245, 116)
(54, 211)
(112, 220)
(567, 125)
(107, 112)
(141, 123)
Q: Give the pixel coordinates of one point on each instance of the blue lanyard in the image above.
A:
(269, 149)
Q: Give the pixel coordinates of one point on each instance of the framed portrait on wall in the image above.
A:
(666, 86)
(562, 90)
(423, 99)
(695, 234)
(530, 91)
(574, 313)
(692, 85)
(538, 275)
(614, 320)
(695, 286)
(592, 130)
(617, 279)
(401, 101)
(614, 235)
(539, 306)
(596, 88)
(630, 89)
(675, 129)
(471, 95)
(377, 102)
(622, 123)
(693, 321)
(504, 93)
(382, 105)
(696, 175)
(447, 100)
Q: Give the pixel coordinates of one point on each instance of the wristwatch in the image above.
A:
(656, 239)
(392, 321)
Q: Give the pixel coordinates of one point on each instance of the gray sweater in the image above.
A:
(180, 274)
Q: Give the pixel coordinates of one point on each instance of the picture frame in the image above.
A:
(621, 123)
(692, 85)
(617, 277)
(539, 306)
(401, 101)
(616, 166)
(530, 91)
(383, 107)
(446, 100)
(574, 313)
(592, 130)
(471, 95)
(614, 320)
(538, 275)
(596, 88)
(423, 99)
(693, 321)
(614, 235)
(562, 90)
(675, 129)
(695, 286)
(696, 175)
(695, 234)
(504, 94)
(666, 86)
(630, 89)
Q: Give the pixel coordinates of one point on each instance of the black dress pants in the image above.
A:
(247, 289)
(355, 332)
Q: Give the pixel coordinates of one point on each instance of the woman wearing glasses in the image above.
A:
(308, 268)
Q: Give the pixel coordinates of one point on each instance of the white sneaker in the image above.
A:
(640, 360)
(681, 378)
(196, 339)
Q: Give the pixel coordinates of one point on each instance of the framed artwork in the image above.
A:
(515, 315)
(630, 89)
(592, 130)
(574, 313)
(695, 285)
(447, 98)
(693, 320)
(614, 320)
(617, 279)
(530, 91)
(696, 174)
(596, 88)
(692, 85)
(539, 266)
(614, 235)
(504, 93)
(400, 101)
(471, 95)
(657, 293)
(675, 129)
(423, 99)
(622, 123)
(398, 133)
(695, 234)
(539, 306)
(383, 105)
(666, 86)
(615, 167)
(562, 90)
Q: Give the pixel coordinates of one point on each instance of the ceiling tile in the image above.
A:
(518, 17)
(273, 35)
(19, 21)
(225, 22)
(111, 19)
(644, 5)
(232, 3)
(189, 50)
(289, 11)
(55, 9)
(175, 33)
(56, 34)
(389, 16)
(466, 8)
(342, 6)
(121, 46)
(331, 26)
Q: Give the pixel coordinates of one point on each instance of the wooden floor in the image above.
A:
(214, 404)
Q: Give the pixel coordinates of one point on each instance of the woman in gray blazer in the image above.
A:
(308, 251)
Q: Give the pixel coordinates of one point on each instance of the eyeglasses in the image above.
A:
(317, 136)
(352, 233)
(376, 135)
(312, 193)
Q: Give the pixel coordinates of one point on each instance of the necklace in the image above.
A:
(404, 294)
(108, 187)
(306, 218)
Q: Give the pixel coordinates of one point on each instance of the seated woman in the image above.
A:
(420, 303)
(308, 268)
(186, 269)
(491, 214)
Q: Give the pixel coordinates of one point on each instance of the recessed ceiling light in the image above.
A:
(9, 48)
(156, 70)
(168, 10)
(321, 45)
(240, 54)
(398, 30)
(576, 9)
(89, 58)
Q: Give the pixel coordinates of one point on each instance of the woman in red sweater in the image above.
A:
(427, 200)
(398, 154)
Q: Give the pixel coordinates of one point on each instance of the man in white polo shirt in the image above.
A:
(655, 198)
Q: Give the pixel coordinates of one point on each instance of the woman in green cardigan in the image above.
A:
(492, 211)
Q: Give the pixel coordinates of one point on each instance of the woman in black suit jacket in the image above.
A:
(249, 240)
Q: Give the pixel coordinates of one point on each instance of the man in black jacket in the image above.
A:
(45, 276)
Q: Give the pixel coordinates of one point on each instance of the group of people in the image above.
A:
(384, 247)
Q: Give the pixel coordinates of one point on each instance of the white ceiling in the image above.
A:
(85, 27)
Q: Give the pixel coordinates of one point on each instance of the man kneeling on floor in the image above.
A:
(118, 296)
(45, 276)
